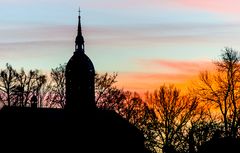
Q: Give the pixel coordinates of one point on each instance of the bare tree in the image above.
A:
(172, 113)
(221, 89)
(17, 88)
(108, 96)
(133, 108)
(7, 84)
(56, 88)
(27, 85)
(139, 114)
(201, 128)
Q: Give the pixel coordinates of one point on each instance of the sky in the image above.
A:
(147, 42)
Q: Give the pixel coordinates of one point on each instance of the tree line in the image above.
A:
(171, 121)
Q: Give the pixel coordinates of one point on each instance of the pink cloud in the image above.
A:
(177, 66)
(124, 4)
(178, 72)
(145, 35)
(216, 6)
(119, 35)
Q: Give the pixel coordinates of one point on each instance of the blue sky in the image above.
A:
(123, 36)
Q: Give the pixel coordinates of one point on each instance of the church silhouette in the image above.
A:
(79, 127)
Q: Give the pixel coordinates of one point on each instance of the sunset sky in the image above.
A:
(148, 42)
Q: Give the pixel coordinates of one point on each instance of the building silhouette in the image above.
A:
(80, 73)
(79, 127)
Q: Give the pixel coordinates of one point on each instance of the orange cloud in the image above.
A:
(177, 72)
(142, 82)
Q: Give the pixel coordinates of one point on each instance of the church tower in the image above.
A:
(80, 73)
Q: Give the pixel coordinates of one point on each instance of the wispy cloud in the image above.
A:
(32, 2)
(162, 34)
(142, 82)
(155, 72)
(123, 35)
(42, 54)
(214, 6)
(221, 7)
(159, 77)
(36, 33)
(176, 66)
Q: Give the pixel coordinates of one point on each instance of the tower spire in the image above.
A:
(79, 42)
(79, 23)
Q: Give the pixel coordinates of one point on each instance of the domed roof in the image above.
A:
(80, 88)
(80, 62)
